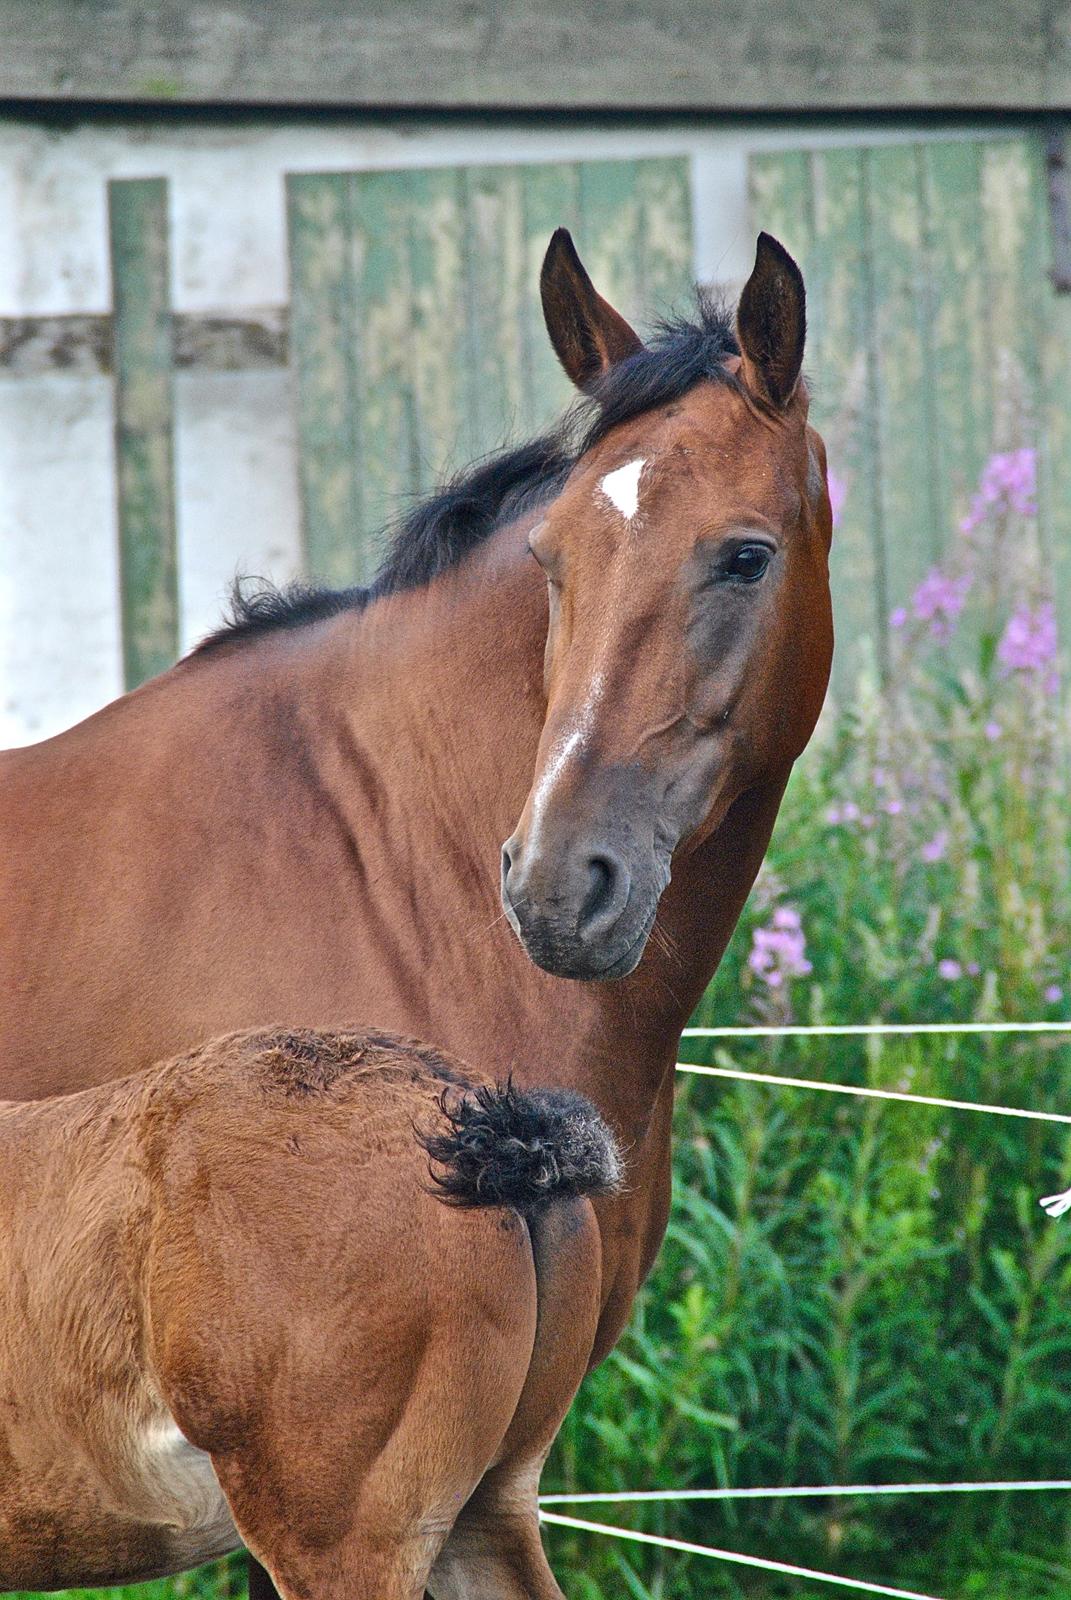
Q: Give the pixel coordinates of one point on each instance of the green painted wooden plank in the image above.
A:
(551, 200)
(610, 230)
(901, 317)
(386, 394)
(1011, 248)
(144, 419)
(437, 312)
(847, 382)
(1015, 264)
(323, 338)
(780, 199)
(666, 240)
(496, 264)
(1054, 318)
(957, 376)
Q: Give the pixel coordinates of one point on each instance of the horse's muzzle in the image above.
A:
(582, 914)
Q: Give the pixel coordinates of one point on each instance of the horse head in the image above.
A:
(690, 635)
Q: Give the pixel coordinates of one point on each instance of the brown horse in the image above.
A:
(233, 1311)
(619, 634)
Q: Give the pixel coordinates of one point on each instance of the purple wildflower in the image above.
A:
(1008, 483)
(992, 731)
(949, 969)
(893, 808)
(898, 617)
(778, 951)
(1029, 644)
(973, 969)
(936, 848)
(939, 600)
(1053, 994)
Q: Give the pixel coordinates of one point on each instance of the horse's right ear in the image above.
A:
(588, 335)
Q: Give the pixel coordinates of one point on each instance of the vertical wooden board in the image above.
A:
(138, 238)
(1055, 429)
(904, 420)
(386, 398)
(959, 355)
(1013, 260)
(610, 234)
(848, 411)
(323, 338)
(1012, 212)
(551, 200)
(666, 236)
(437, 311)
(496, 261)
(780, 202)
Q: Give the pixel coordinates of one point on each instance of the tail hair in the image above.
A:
(523, 1148)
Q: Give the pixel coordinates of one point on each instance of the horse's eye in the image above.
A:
(747, 564)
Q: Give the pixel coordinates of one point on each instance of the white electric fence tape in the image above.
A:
(847, 1030)
(798, 1492)
(734, 1556)
(1054, 1205)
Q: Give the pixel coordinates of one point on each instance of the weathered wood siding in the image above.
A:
(935, 339)
(584, 54)
(417, 335)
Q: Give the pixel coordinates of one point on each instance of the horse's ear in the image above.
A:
(771, 324)
(588, 335)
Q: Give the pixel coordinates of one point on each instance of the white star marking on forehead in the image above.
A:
(622, 487)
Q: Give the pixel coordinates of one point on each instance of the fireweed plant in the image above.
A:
(851, 1291)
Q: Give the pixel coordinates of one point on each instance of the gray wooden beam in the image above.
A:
(582, 54)
(83, 344)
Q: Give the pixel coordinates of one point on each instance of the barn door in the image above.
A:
(936, 339)
(416, 335)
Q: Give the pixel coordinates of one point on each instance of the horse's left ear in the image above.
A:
(771, 324)
(588, 335)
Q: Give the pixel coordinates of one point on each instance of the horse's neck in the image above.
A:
(444, 708)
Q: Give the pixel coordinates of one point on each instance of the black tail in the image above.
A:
(522, 1148)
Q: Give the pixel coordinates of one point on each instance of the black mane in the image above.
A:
(442, 530)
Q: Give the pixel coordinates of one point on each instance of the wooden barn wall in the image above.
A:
(935, 339)
(196, 417)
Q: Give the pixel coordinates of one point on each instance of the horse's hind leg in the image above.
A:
(494, 1551)
(358, 1568)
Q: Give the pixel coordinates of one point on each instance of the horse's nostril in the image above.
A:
(600, 884)
(607, 893)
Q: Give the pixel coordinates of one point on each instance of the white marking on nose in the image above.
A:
(573, 741)
(622, 487)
